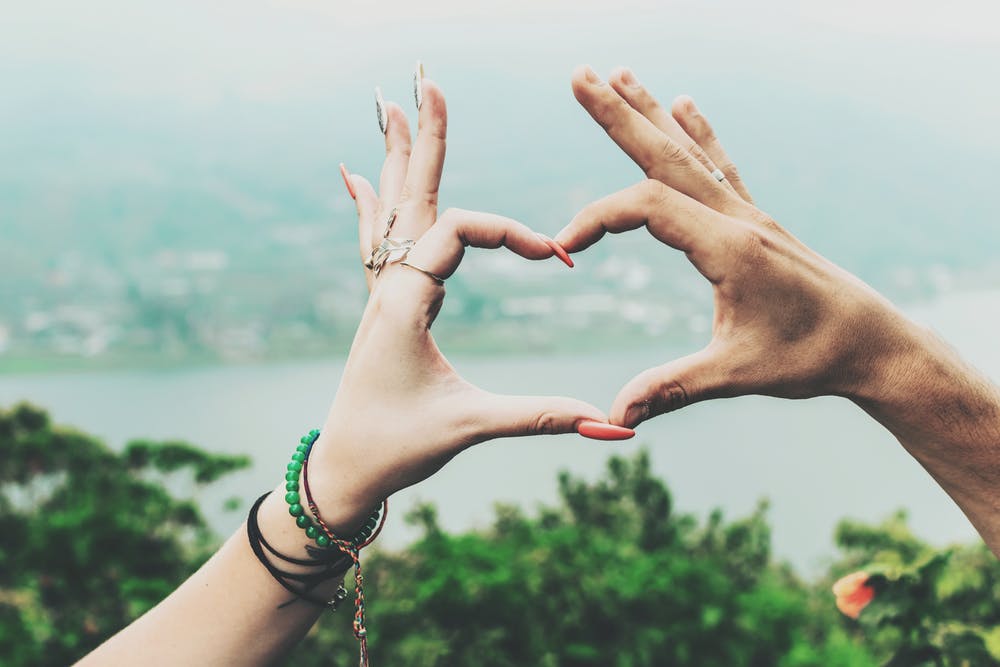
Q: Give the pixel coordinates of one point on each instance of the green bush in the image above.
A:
(609, 575)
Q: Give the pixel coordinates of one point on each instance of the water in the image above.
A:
(865, 129)
(817, 461)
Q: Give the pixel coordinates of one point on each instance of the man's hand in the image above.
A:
(787, 322)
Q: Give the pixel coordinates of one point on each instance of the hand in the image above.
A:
(787, 322)
(402, 411)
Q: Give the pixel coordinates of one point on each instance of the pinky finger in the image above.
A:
(366, 202)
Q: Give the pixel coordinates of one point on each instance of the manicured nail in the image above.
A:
(591, 75)
(628, 78)
(347, 181)
(418, 85)
(557, 249)
(383, 119)
(602, 431)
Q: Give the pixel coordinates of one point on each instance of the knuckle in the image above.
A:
(697, 152)
(704, 133)
(452, 217)
(767, 222)
(671, 395)
(610, 112)
(545, 423)
(671, 152)
(653, 193)
(754, 244)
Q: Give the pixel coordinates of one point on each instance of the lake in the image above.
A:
(817, 461)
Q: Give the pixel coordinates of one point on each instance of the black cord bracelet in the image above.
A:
(335, 565)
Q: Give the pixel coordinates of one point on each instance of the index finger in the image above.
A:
(671, 217)
(657, 154)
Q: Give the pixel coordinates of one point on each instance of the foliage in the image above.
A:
(90, 538)
(931, 607)
(609, 575)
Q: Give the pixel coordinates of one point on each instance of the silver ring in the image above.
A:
(433, 276)
(387, 252)
(390, 221)
(718, 175)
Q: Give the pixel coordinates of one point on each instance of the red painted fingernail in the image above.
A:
(602, 431)
(557, 249)
(347, 181)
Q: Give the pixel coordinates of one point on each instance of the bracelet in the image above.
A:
(325, 539)
(333, 567)
(321, 534)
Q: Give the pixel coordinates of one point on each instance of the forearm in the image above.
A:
(227, 613)
(947, 415)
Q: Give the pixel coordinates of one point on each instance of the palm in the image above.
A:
(402, 411)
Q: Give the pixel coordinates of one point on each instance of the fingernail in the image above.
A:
(689, 106)
(591, 75)
(557, 249)
(418, 85)
(628, 78)
(602, 431)
(383, 119)
(347, 181)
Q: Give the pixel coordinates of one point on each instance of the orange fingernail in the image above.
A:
(602, 431)
(347, 181)
(557, 249)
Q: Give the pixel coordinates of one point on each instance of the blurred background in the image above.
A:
(180, 262)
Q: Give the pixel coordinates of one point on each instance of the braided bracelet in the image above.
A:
(325, 538)
(321, 534)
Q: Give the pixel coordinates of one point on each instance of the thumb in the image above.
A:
(513, 416)
(669, 387)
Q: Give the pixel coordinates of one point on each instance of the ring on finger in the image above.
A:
(390, 220)
(433, 276)
(718, 175)
(387, 252)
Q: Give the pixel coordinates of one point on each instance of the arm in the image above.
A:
(788, 323)
(400, 414)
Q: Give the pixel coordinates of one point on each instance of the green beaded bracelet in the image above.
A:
(298, 511)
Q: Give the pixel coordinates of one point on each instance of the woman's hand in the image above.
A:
(788, 322)
(402, 411)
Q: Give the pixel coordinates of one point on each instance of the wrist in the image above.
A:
(892, 352)
(345, 502)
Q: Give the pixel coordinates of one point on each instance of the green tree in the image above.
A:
(931, 607)
(90, 538)
(609, 576)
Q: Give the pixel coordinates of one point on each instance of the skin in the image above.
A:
(787, 322)
(401, 413)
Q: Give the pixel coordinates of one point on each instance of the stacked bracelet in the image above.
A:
(319, 533)
(333, 553)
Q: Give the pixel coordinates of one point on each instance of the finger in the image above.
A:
(366, 202)
(671, 217)
(513, 416)
(687, 115)
(397, 156)
(625, 83)
(670, 387)
(658, 155)
(441, 249)
(423, 174)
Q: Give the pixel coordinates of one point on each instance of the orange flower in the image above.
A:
(853, 593)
